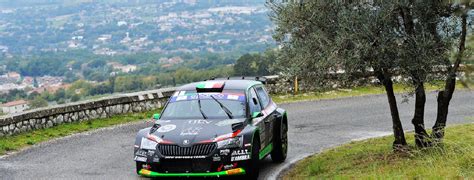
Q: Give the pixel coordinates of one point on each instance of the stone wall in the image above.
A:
(83, 111)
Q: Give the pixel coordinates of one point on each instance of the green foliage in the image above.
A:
(75, 98)
(39, 67)
(255, 64)
(97, 63)
(468, 78)
(38, 102)
(390, 37)
(13, 95)
(128, 83)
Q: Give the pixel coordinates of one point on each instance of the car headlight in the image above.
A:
(230, 143)
(148, 144)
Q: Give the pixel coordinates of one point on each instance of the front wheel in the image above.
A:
(253, 165)
(280, 142)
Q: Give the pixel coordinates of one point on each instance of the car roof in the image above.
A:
(228, 84)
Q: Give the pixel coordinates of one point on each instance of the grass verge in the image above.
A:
(374, 159)
(356, 91)
(19, 141)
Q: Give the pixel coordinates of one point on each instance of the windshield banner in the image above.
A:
(204, 96)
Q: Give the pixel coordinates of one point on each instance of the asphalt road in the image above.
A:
(314, 125)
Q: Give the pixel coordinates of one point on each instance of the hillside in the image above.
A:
(115, 27)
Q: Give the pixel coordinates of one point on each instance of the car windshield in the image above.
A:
(186, 106)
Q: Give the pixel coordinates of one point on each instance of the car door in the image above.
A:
(268, 112)
(254, 106)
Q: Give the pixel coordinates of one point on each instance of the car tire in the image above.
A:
(252, 170)
(280, 142)
(139, 166)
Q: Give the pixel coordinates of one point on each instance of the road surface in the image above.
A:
(313, 126)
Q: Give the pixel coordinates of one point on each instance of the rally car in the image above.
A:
(213, 128)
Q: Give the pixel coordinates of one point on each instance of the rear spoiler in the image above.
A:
(262, 79)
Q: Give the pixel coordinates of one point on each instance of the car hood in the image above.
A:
(189, 132)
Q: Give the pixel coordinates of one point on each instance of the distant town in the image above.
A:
(177, 26)
(54, 52)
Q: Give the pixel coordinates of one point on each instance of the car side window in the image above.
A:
(254, 102)
(263, 96)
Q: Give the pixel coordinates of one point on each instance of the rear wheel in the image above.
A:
(253, 165)
(280, 142)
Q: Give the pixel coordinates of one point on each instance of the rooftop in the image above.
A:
(14, 103)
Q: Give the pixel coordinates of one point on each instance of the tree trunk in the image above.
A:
(421, 136)
(400, 143)
(444, 97)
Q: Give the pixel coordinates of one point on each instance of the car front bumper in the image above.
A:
(231, 172)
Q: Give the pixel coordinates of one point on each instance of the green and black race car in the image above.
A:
(211, 129)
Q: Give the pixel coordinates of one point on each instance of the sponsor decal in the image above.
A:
(240, 158)
(185, 157)
(224, 152)
(141, 159)
(240, 152)
(202, 121)
(179, 93)
(140, 153)
(175, 94)
(166, 128)
(151, 153)
(227, 122)
(230, 166)
(180, 98)
(220, 96)
(216, 158)
(233, 97)
(191, 131)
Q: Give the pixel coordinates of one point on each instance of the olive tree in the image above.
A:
(444, 96)
(411, 39)
(323, 38)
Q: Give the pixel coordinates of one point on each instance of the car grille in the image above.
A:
(195, 150)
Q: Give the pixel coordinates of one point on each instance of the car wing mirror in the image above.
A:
(156, 116)
(257, 114)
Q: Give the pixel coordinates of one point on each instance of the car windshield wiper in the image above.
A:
(200, 108)
(226, 110)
